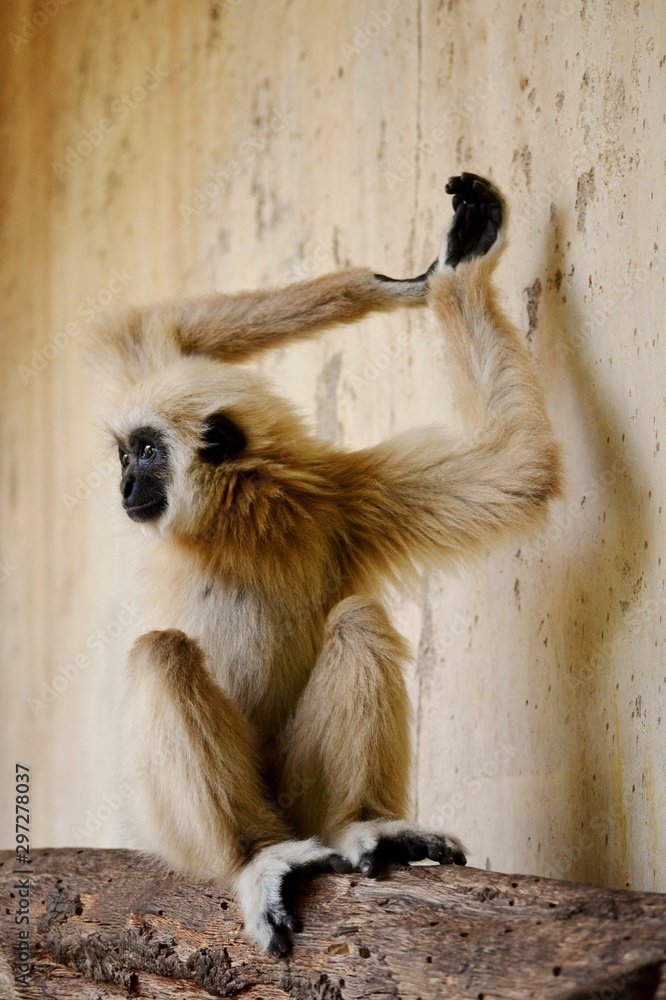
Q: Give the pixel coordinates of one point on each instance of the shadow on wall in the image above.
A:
(594, 586)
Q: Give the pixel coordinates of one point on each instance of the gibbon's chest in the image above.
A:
(259, 652)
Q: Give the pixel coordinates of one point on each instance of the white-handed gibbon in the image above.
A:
(272, 680)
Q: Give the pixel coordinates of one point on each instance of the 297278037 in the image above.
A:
(23, 813)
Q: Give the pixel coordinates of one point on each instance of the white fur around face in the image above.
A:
(362, 838)
(259, 886)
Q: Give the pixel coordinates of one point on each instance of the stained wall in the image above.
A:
(159, 148)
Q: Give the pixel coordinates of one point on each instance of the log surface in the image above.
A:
(110, 924)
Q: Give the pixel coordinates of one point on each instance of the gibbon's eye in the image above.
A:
(148, 452)
(223, 440)
(124, 458)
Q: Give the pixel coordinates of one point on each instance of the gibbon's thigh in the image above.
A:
(346, 755)
(203, 808)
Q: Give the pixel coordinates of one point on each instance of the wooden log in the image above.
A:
(112, 924)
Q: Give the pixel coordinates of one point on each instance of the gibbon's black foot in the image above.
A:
(479, 213)
(281, 917)
(372, 844)
(265, 889)
(404, 847)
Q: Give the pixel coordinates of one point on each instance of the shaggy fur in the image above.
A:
(272, 680)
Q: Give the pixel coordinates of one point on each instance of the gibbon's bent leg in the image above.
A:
(234, 327)
(204, 810)
(347, 752)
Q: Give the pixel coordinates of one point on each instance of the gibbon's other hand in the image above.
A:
(479, 214)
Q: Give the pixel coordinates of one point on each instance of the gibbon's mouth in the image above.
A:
(146, 511)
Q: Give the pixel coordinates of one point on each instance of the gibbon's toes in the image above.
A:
(445, 850)
(407, 845)
(372, 844)
(266, 889)
(368, 866)
(280, 943)
(330, 863)
(283, 921)
(478, 216)
(280, 924)
(340, 865)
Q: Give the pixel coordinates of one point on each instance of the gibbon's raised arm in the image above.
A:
(234, 327)
(419, 499)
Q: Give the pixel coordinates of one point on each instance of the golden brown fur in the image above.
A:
(272, 679)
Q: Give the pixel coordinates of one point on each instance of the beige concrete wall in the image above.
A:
(540, 679)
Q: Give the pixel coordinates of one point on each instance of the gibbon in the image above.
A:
(271, 682)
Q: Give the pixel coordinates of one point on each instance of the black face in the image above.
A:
(145, 474)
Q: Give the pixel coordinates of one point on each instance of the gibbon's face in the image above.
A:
(144, 461)
(183, 429)
(148, 463)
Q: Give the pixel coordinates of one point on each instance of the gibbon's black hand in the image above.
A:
(478, 218)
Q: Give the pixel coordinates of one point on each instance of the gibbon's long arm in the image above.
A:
(234, 327)
(418, 498)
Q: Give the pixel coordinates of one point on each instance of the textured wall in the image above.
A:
(330, 129)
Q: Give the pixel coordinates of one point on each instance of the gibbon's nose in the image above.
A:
(127, 486)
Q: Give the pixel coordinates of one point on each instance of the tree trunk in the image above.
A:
(111, 924)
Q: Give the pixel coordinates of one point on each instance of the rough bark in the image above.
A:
(111, 924)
